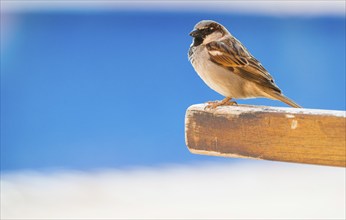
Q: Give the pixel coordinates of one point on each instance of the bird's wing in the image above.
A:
(232, 54)
(228, 54)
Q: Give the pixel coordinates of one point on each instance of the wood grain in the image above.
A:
(309, 136)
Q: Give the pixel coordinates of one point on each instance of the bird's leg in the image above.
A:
(225, 101)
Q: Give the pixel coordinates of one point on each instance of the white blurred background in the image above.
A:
(253, 190)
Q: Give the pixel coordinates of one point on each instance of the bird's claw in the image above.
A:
(215, 104)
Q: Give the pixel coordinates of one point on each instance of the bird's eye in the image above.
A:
(211, 28)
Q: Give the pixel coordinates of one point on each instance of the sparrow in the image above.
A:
(227, 67)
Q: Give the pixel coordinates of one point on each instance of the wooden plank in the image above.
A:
(309, 136)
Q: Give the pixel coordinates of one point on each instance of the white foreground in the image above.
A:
(251, 190)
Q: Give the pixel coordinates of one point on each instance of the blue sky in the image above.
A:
(85, 90)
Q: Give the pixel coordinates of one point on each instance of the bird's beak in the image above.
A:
(195, 33)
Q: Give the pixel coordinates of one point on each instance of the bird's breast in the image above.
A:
(220, 79)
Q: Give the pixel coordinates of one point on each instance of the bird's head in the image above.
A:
(206, 31)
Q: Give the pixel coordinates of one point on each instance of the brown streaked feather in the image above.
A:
(247, 73)
(281, 97)
(221, 53)
(231, 53)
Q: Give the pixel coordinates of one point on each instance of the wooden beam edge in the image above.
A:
(247, 109)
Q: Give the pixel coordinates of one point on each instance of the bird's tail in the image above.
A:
(282, 98)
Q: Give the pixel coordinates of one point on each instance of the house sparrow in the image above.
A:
(227, 67)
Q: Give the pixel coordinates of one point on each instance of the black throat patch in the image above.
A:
(197, 41)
